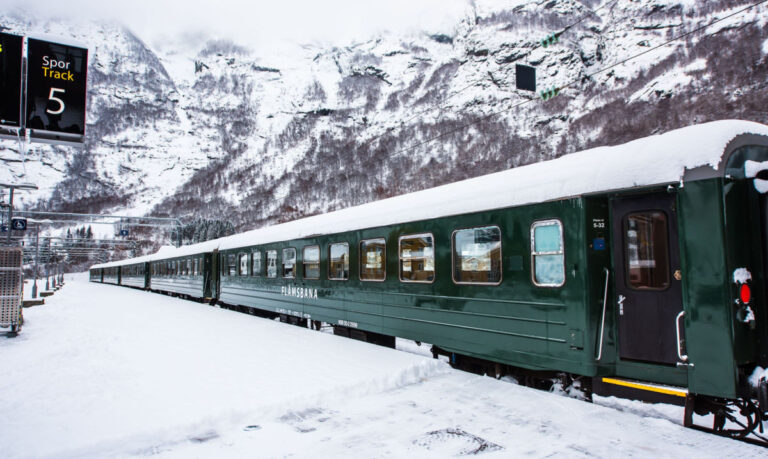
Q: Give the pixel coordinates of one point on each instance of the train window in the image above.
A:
(256, 264)
(373, 259)
(477, 256)
(547, 253)
(231, 264)
(289, 263)
(338, 261)
(195, 271)
(311, 262)
(647, 250)
(189, 267)
(242, 265)
(272, 263)
(417, 258)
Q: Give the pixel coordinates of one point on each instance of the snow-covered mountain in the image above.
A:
(219, 131)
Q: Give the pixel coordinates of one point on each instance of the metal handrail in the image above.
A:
(602, 321)
(683, 357)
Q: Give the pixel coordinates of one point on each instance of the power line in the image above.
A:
(441, 104)
(574, 81)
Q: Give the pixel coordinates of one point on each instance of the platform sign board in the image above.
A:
(19, 224)
(56, 92)
(525, 77)
(10, 83)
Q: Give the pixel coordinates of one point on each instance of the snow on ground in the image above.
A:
(106, 371)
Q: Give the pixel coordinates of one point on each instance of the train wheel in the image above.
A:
(727, 412)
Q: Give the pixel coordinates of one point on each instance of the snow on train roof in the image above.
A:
(651, 160)
(658, 159)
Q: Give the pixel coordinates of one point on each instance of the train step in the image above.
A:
(639, 390)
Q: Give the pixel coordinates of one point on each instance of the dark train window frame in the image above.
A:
(282, 262)
(260, 271)
(330, 261)
(501, 256)
(534, 254)
(625, 248)
(360, 259)
(400, 258)
(239, 261)
(304, 262)
(232, 265)
(267, 264)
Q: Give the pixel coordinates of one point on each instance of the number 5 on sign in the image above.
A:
(52, 96)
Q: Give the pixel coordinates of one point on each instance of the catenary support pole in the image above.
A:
(10, 216)
(37, 259)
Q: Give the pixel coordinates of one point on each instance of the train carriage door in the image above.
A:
(215, 274)
(646, 258)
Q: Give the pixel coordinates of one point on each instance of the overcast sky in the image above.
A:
(257, 23)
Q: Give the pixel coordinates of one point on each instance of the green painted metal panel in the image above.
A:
(515, 322)
(709, 340)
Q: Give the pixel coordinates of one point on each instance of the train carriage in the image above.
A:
(95, 274)
(136, 273)
(185, 271)
(638, 270)
(111, 274)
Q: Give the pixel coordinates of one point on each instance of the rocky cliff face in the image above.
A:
(220, 131)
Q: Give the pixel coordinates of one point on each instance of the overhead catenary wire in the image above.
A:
(576, 80)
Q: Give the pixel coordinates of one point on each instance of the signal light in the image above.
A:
(745, 294)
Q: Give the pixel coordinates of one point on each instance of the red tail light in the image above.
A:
(745, 293)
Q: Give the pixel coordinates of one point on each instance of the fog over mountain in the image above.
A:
(212, 128)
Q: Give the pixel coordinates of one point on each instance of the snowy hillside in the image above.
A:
(220, 130)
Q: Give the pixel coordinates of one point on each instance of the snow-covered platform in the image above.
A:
(105, 371)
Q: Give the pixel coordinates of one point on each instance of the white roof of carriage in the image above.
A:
(659, 159)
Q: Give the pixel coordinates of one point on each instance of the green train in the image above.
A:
(636, 270)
